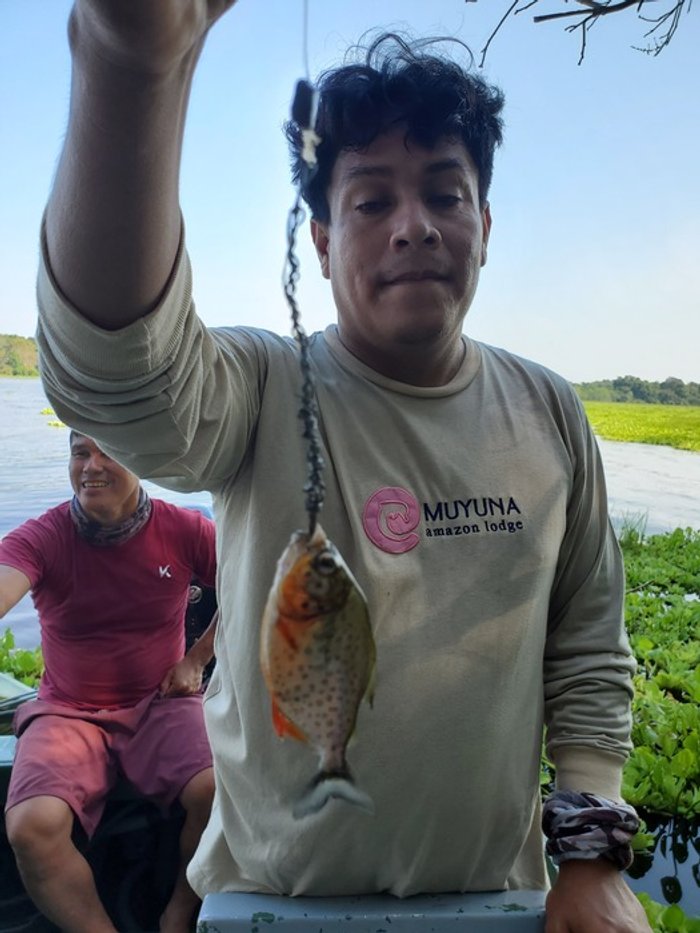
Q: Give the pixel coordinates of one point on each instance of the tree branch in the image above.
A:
(493, 34)
(595, 9)
(662, 30)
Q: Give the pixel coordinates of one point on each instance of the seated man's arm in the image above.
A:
(185, 677)
(13, 586)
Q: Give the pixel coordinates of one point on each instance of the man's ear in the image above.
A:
(485, 231)
(319, 234)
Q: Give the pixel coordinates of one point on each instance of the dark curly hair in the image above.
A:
(399, 82)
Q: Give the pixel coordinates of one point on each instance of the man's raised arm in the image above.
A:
(113, 220)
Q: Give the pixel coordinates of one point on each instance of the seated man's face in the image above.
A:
(107, 491)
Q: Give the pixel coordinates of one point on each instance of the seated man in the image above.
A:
(110, 575)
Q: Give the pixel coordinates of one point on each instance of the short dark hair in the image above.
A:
(399, 82)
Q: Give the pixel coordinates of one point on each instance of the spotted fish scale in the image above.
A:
(317, 655)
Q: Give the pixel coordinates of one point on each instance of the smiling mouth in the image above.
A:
(94, 485)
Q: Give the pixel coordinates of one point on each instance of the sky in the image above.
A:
(594, 257)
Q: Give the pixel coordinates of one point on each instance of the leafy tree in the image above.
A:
(671, 391)
(18, 356)
(675, 392)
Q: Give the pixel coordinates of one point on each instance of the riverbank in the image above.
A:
(676, 426)
(655, 486)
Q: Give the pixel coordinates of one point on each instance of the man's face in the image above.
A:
(107, 491)
(403, 248)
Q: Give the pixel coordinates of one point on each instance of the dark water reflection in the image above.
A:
(670, 874)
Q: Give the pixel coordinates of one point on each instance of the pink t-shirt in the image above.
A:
(111, 617)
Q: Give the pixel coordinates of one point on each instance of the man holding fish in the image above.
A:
(478, 598)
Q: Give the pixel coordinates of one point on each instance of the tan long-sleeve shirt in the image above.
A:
(473, 515)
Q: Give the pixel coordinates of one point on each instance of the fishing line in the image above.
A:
(305, 39)
(303, 114)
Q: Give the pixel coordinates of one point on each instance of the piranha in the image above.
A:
(317, 656)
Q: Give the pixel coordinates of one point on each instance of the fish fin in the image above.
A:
(326, 786)
(284, 725)
(369, 692)
(286, 632)
(371, 682)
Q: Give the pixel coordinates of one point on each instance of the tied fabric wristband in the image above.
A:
(585, 826)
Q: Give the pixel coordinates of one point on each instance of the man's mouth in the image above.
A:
(425, 275)
(94, 484)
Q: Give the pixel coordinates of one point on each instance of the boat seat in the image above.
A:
(499, 912)
(134, 856)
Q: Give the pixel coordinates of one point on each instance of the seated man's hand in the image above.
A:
(183, 679)
(593, 897)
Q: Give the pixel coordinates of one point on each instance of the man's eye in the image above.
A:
(370, 207)
(445, 200)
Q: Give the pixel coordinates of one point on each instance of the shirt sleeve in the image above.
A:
(205, 553)
(27, 549)
(588, 664)
(170, 399)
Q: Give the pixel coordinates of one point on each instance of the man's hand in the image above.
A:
(183, 679)
(113, 218)
(592, 897)
(149, 36)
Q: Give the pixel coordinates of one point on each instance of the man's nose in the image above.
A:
(414, 227)
(93, 464)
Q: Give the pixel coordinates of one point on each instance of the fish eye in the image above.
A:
(324, 563)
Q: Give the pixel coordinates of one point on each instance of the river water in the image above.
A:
(34, 477)
(657, 485)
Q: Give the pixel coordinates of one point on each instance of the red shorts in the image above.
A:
(158, 745)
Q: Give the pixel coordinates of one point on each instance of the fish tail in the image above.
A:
(338, 784)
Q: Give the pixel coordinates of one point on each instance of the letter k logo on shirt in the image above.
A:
(165, 572)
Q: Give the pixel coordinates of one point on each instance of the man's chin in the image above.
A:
(419, 326)
(94, 505)
(418, 338)
(420, 333)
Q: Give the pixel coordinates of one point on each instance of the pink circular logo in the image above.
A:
(389, 517)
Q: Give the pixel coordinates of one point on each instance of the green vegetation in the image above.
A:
(54, 423)
(663, 621)
(18, 356)
(668, 918)
(662, 776)
(673, 425)
(671, 391)
(662, 615)
(25, 666)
